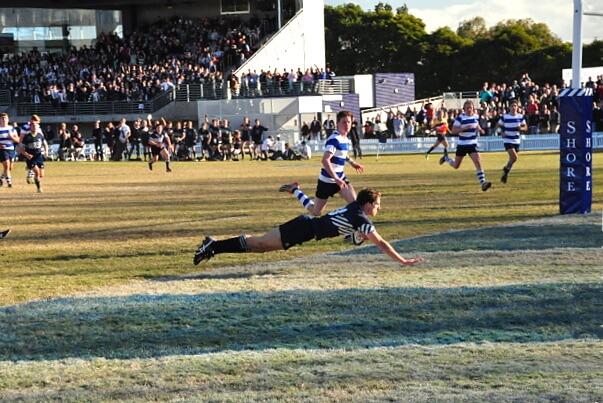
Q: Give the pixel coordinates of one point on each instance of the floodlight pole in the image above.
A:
(577, 45)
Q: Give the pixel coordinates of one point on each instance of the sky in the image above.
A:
(558, 15)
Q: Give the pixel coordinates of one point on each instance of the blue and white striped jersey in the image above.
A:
(468, 125)
(510, 125)
(337, 145)
(6, 139)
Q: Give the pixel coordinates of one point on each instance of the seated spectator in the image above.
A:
(267, 148)
(290, 153)
(305, 151)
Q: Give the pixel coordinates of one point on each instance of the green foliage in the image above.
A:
(592, 55)
(526, 33)
(359, 41)
(472, 29)
(366, 42)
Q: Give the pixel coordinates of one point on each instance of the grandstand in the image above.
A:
(275, 31)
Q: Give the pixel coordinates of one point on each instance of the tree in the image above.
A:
(472, 29)
(592, 55)
(402, 10)
(441, 67)
(383, 7)
(540, 33)
(366, 42)
(360, 41)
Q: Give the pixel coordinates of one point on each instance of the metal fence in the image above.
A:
(97, 108)
(180, 93)
(486, 144)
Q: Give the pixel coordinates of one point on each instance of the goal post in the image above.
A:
(575, 133)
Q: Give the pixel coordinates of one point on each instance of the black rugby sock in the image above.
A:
(232, 245)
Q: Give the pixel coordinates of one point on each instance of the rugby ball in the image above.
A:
(357, 238)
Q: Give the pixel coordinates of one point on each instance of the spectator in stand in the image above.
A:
(305, 131)
(257, 134)
(532, 115)
(109, 134)
(237, 145)
(290, 154)
(555, 119)
(544, 120)
(494, 117)
(305, 151)
(484, 121)
(267, 148)
(49, 133)
(398, 124)
(329, 126)
(205, 138)
(315, 128)
(411, 127)
(355, 139)
(97, 136)
(65, 143)
(429, 114)
(89, 74)
(380, 129)
(136, 139)
(121, 145)
(190, 139)
(279, 145)
(145, 132)
(216, 139)
(245, 129)
(389, 123)
(226, 135)
(485, 96)
(368, 129)
(307, 82)
(78, 142)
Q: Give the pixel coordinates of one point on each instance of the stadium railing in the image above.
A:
(180, 93)
(371, 147)
(422, 144)
(97, 108)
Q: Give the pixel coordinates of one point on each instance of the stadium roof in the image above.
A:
(96, 4)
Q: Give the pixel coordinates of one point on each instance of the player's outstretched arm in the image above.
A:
(389, 250)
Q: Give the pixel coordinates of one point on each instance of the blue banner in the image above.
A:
(576, 182)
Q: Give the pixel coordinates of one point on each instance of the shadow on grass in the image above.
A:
(146, 326)
(518, 237)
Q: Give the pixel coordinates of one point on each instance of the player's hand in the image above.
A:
(341, 184)
(359, 168)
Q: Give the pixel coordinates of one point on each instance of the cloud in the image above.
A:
(558, 15)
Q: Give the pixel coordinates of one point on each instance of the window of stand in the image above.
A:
(234, 6)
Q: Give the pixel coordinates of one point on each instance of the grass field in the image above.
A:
(99, 300)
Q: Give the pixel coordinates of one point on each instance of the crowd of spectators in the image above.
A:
(156, 57)
(215, 139)
(540, 105)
